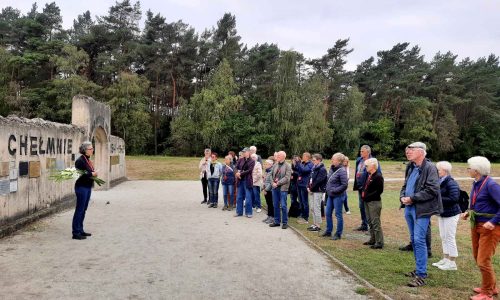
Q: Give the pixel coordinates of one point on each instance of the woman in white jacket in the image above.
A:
(257, 183)
(214, 173)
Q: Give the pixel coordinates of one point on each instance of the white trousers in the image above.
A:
(316, 207)
(447, 231)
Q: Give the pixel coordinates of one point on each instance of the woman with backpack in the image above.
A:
(448, 219)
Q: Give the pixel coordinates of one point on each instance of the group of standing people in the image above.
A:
(428, 189)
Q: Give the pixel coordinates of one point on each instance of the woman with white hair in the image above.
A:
(484, 213)
(372, 201)
(257, 183)
(448, 219)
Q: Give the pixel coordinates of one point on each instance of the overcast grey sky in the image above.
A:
(465, 27)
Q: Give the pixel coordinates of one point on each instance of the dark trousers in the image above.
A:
(364, 221)
(346, 206)
(82, 202)
(269, 202)
(304, 202)
(204, 185)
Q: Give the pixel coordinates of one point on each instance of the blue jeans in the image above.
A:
(213, 190)
(418, 231)
(332, 203)
(304, 203)
(361, 204)
(82, 202)
(279, 198)
(228, 190)
(240, 197)
(256, 197)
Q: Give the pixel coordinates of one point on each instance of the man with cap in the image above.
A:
(421, 198)
(244, 168)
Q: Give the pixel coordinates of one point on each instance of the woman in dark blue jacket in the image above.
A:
(317, 187)
(228, 180)
(83, 189)
(336, 185)
(448, 219)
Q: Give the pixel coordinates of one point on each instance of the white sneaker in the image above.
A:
(448, 266)
(348, 212)
(440, 263)
(259, 210)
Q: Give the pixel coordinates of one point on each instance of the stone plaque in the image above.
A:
(60, 164)
(34, 170)
(4, 169)
(13, 186)
(23, 168)
(50, 163)
(13, 174)
(114, 160)
(4, 187)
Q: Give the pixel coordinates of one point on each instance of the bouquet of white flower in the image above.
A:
(73, 173)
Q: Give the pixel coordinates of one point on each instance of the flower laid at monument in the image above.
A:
(73, 173)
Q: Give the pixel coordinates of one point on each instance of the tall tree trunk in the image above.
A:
(173, 90)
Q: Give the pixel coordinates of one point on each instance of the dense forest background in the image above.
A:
(173, 90)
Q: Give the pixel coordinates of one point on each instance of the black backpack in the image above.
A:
(463, 201)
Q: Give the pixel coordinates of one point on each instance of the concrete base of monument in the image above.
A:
(154, 240)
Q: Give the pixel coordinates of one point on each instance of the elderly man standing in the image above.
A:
(253, 150)
(245, 186)
(281, 173)
(421, 197)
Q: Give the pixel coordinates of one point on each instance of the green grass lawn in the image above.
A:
(382, 268)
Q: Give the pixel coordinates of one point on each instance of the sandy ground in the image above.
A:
(155, 241)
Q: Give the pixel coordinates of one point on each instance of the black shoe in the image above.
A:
(429, 254)
(285, 226)
(362, 228)
(408, 247)
(313, 228)
(86, 234)
(336, 237)
(377, 246)
(214, 205)
(79, 237)
(203, 202)
(274, 225)
(369, 243)
(326, 234)
(210, 205)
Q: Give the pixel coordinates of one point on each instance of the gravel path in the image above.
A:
(155, 241)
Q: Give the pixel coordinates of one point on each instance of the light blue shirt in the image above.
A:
(411, 183)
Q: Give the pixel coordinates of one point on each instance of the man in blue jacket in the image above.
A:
(304, 169)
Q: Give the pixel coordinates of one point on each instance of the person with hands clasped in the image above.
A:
(421, 198)
(484, 214)
(317, 187)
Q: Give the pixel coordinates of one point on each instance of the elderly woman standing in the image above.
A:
(257, 182)
(214, 173)
(203, 173)
(448, 219)
(485, 217)
(372, 200)
(83, 189)
(336, 185)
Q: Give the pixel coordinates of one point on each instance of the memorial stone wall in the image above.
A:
(33, 149)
